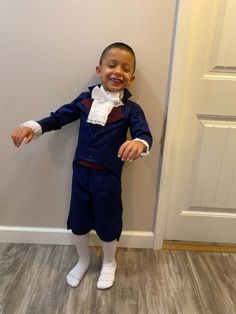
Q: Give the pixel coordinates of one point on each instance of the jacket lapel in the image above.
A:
(115, 115)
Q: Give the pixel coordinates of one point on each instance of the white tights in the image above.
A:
(107, 274)
(77, 272)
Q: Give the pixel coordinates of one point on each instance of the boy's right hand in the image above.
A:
(20, 134)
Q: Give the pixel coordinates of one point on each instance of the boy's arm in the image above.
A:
(21, 134)
(65, 114)
(32, 129)
(26, 132)
(141, 137)
(132, 150)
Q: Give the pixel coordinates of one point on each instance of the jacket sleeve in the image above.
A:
(138, 125)
(62, 116)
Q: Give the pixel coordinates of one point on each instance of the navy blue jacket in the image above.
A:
(100, 144)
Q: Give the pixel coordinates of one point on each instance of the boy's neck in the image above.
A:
(118, 93)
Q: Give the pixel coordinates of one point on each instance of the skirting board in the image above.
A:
(61, 236)
(199, 246)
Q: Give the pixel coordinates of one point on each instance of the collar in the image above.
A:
(126, 96)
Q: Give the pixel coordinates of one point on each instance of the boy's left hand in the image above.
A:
(131, 150)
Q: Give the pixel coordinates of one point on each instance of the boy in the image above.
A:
(105, 114)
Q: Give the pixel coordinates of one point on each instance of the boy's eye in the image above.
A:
(127, 70)
(111, 65)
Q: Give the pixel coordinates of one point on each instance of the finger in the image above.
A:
(140, 149)
(136, 151)
(127, 153)
(14, 139)
(18, 138)
(123, 148)
(132, 153)
(137, 155)
(28, 138)
(17, 141)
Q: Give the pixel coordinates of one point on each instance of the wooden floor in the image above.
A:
(32, 280)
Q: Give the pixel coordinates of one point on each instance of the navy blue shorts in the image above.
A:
(95, 203)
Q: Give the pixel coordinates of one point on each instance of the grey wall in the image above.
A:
(49, 51)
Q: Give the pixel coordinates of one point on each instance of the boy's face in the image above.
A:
(116, 70)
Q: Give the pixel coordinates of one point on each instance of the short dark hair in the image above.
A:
(121, 46)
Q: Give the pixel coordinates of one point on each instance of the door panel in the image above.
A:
(198, 184)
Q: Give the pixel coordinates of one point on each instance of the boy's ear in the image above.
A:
(98, 71)
(132, 79)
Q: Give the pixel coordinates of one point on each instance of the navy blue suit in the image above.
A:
(99, 145)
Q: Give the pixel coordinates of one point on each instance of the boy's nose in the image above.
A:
(117, 70)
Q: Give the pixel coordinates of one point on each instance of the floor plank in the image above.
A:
(32, 281)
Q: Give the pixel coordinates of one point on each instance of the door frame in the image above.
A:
(174, 103)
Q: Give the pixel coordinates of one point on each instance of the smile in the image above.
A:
(116, 80)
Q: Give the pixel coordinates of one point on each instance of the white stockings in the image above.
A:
(76, 274)
(107, 274)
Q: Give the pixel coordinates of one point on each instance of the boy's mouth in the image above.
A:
(115, 80)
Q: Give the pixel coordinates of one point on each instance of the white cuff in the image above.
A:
(145, 143)
(35, 126)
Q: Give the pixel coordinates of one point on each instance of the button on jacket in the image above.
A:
(96, 143)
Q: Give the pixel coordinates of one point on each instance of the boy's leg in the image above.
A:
(82, 246)
(107, 275)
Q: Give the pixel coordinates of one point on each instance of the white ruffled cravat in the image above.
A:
(103, 103)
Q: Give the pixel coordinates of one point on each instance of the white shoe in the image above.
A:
(107, 276)
(76, 274)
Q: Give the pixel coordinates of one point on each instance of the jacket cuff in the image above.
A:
(35, 126)
(145, 143)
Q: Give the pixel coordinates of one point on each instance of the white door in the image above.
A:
(197, 200)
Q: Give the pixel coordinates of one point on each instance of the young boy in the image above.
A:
(105, 114)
